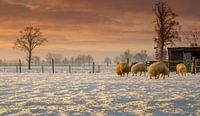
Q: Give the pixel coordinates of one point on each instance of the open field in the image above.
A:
(97, 94)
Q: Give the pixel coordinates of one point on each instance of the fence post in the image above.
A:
(93, 67)
(20, 66)
(42, 68)
(69, 68)
(52, 66)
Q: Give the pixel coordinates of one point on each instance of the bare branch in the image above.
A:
(29, 39)
(191, 38)
(165, 27)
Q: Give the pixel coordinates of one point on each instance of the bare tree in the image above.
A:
(166, 28)
(36, 60)
(126, 55)
(141, 56)
(72, 60)
(107, 61)
(65, 61)
(80, 59)
(29, 39)
(90, 59)
(116, 60)
(57, 58)
(191, 38)
(83, 59)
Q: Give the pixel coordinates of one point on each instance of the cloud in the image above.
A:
(80, 23)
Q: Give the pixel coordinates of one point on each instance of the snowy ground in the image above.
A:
(97, 94)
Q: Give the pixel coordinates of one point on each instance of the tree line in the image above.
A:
(59, 59)
(141, 56)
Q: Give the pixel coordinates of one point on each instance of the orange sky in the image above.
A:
(97, 27)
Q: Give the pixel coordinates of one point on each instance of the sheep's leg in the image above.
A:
(163, 77)
(140, 73)
(155, 77)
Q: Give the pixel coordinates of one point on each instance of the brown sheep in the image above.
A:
(158, 68)
(181, 69)
(121, 69)
(139, 67)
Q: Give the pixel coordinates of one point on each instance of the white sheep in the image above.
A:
(158, 68)
(138, 67)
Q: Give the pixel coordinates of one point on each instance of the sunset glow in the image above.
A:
(97, 27)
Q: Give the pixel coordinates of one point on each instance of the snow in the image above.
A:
(98, 94)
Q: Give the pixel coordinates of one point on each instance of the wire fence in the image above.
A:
(94, 68)
(57, 68)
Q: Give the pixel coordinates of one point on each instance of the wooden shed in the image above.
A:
(183, 55)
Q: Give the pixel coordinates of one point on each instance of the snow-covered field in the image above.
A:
(97, 94)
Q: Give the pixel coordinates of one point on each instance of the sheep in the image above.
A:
(158, 68)
(117, 70)
(121, 69)
(181, 69)
(138, 67)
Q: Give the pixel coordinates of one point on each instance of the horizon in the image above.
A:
(99, 28)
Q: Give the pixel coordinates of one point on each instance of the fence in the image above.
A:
(94, 68)
(53, 68)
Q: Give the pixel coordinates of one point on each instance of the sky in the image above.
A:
(97, 27)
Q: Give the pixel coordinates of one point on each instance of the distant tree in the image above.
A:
(126, 55)
(72, 60)
(43, 61)
(29, 39)
(90, 59)
(116, 60)
(166, 28)
(191, 38)
(65, 61)
(83, 59)
(80, 59)
(48, 58)
(142, 56)
(57, 58)
(36, 60)
(107, 61)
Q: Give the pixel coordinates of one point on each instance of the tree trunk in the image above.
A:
(162, 53)
(29, 59)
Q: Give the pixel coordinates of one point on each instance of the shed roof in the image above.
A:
(184, 49)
